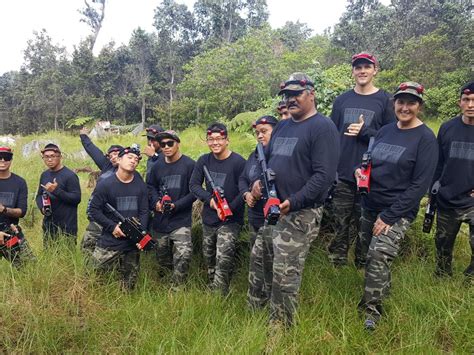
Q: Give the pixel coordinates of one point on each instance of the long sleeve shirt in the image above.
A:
(175, 178)
(304, 156)
(377, 110)
(129, 199)
(64, 199)
(403, 164)
(252, 172)
(455, 169)
(13, 194)
(225, 174)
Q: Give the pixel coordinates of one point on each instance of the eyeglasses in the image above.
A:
(216, 139)
(50, 157)
(167, 143)
(6, 157)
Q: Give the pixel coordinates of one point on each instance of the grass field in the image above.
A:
(57, 305)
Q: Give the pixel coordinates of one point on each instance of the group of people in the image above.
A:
(309, 156)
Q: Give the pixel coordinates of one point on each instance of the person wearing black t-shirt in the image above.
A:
(61, 187)
(127, 193)
(13, 205)
(107, 164)
(219, 237)
(358, 114)
(261, 247)
(404, 157)
(455, 173)
(303, 152)
(172, 224)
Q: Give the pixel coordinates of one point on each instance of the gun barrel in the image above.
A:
(208, 176)
(115, 212)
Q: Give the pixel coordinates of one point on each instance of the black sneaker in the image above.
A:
(369, 324)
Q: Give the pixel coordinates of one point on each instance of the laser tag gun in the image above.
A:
(363, 185)
(47, 209)
(223, 209)
(431, 208)
(133, 230)
(13, 238)
(331, 190)
(165, 199)
(271, 210)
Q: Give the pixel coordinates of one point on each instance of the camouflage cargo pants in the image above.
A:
(448, 223)
(382, 251)
(174, 251)
(346, 210)
(261, 268)
(292, 237)
(18, 255)
(91, 235)
(127, 263)
(218, 246)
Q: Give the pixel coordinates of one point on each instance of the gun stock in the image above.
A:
(431, 208)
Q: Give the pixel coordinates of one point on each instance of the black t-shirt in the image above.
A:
(252, 172)
(64, 200)
(13, 194)
(403, 164)
(129, 199)
(304, 156)
(377, 109)
(456, 164)
(225, 174)
(175, 177)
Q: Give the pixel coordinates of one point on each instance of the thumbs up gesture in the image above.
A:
(50, 186)
(354, 128)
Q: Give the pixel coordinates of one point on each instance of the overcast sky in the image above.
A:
(61, 19)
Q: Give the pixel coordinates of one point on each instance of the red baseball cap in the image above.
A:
(364, 56)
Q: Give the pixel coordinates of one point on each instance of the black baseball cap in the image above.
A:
(467, 89)
(153, 130)
(217, 128)
(51, 147)
(265, 120)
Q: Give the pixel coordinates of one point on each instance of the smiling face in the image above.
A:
(217, 143)
(363, 73)
(407, 108)
(113, 157)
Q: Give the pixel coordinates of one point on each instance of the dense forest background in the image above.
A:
(221, 60)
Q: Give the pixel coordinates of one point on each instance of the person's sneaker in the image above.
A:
(369, 324)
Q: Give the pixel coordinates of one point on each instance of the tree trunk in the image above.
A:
(170, 113)
(143, 110)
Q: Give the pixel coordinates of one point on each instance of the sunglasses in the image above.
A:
(6, 157)
(167, 143)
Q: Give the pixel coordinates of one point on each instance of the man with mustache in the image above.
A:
(303, 152)
(358, 114)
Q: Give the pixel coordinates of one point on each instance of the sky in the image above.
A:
(61, 19)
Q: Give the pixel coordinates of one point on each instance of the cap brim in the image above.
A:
(291, 88)
(362, 60)
(167, 135)
(408, 92)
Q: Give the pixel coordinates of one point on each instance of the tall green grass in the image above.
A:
(58, 305)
